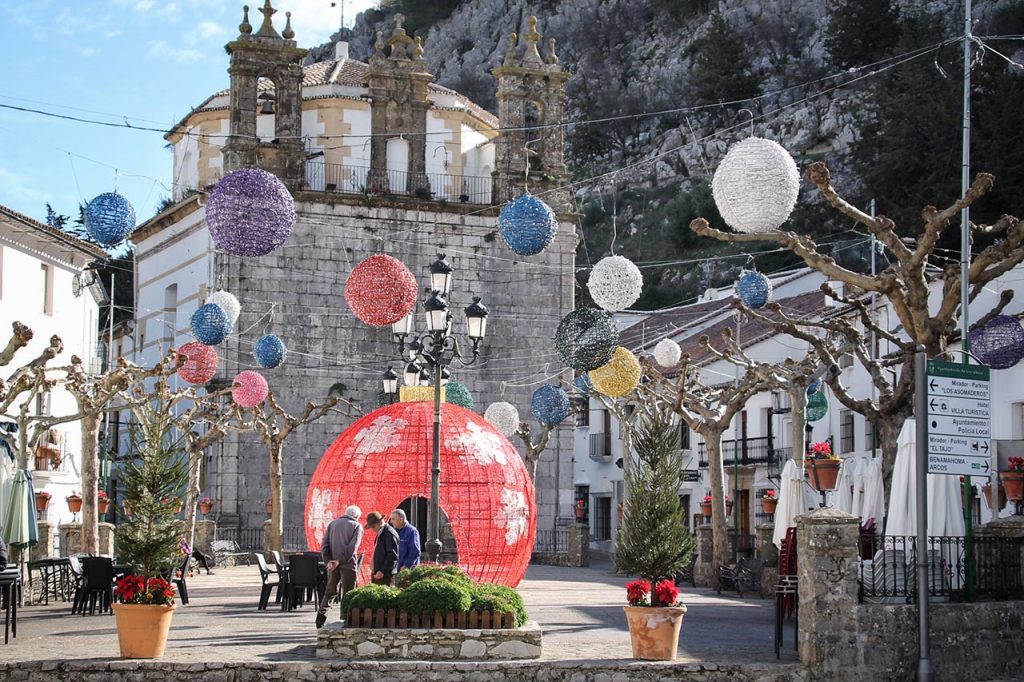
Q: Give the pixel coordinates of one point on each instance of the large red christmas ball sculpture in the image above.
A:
(385, 457)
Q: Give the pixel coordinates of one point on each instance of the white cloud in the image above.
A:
(314, 20)
(17, 188)
(204, 33)
(159, 49)
(143, 5)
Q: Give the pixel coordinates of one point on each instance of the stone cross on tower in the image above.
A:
(531, 108)
(266, 65)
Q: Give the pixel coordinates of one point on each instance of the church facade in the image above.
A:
(379, 159)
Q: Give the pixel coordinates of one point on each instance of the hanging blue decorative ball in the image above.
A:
(109, 218)
(210, 324)
(527, 225)
(549, 404)
(814, 387)
(754, 289)
(269, 351)
(583, 384)
(1000, 343)
(456, 393)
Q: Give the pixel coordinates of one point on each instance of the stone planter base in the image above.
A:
(334, 640)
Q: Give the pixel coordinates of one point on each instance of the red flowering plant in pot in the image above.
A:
(653, 542)
(822, 466)
(205, 505)
(1013, 479)
(769, 501)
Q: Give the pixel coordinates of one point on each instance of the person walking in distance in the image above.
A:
(408, 541)
(339, 547)
(385, 549)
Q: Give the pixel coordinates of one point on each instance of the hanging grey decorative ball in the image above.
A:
(756, 185)
(210, 324)
(667, 353)
(269, 351)
(1000, 343)
(457, 393)
(754, 289)
(615, 283)
(586, 339)
(549, 404)
(504, 416)
(527, 225)
(109, 218)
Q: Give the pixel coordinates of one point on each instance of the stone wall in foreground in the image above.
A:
(337, 641)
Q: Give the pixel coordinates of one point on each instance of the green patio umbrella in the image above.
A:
(17, 518)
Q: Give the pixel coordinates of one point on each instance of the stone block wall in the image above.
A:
(576, 554)
(337, 641)
(71, 539)
(44, 548)
(526, 297)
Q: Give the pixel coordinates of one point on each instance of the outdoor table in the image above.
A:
(10, 587)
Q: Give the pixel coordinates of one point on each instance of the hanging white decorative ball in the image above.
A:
(667, 353)
(615, 283)
(504, 416)
(228, 302)
(756, 185)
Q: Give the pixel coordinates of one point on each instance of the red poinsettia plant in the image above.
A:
(134, 589)
(769, 495)
(101, 495)
(665, 593)
(1016, 463)
(706, 500)
(821, 450)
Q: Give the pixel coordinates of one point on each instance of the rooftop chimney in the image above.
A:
(341, 49)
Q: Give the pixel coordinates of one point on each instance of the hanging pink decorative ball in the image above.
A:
(249, 388)
(381, 290)
(201, 363)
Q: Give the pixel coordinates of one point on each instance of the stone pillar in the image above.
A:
(206, 532)
(827, 567)
(704, 569)
(769, 554)
(71, 539)
(44, 548)
(987, 555)
(579, 545)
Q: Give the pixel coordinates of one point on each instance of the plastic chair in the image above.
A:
(303, 574)
(268, 586)
(97, 584)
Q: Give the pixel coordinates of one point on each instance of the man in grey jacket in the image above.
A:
(339, 548)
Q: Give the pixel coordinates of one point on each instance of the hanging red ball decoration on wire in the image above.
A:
(249, 388)
(381, 290)
(200, 364)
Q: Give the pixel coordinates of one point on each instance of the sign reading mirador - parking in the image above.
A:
(959, 426)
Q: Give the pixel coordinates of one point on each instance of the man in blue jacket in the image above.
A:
(408, 541)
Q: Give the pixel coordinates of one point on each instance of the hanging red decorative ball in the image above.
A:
(249, 388)
(201, 363)
(384, 458)
(381, 290)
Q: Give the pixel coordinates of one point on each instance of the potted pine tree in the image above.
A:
(147, 540)
(653, 542)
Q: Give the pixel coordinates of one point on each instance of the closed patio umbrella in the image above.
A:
(791, 501)
(872, 502)
(6, 481)
(847, 481)
(15, 529)
(945, 506)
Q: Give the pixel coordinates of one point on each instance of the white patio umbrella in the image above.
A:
(945, 506)
(872, 501)
(791, 501)
(6, 481)
(848, 480)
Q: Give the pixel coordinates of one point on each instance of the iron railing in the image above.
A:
(747, 450)
(294, 539)
(554, 541)
(889, 568)
(336, 177)
(248, 539)
(600, 446)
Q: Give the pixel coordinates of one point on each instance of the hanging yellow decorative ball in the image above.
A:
(619, 376)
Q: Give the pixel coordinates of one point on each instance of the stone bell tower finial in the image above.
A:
(267, 29)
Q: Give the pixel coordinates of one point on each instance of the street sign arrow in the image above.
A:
(984, 445)
(931, 403)
(931, 384)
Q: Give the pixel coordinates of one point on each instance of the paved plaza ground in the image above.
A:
(579, 609)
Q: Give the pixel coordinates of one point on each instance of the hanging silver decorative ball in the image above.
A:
(228, 302)
(756, 185)
(615, 283)
(667, 353)
(504, 416)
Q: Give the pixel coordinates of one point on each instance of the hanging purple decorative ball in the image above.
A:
(1000, 343)
(210, 324)
(527, 225)
(250, 213)
(549, 404)
(109, 218)
(269, 351)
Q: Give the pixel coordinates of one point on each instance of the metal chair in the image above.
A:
(10, 588)
(97, 584)
(303, 576)
(268, 586)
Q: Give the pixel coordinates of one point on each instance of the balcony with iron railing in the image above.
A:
(344, 179)
(748, 451)
(600, 446)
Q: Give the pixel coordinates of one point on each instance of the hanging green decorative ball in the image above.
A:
(456, 393)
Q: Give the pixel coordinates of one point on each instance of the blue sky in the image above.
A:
(147, 60)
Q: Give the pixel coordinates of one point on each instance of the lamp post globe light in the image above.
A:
(429, 356)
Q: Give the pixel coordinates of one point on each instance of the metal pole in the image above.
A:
(434, 513)
(965, 289)
(874, 341)
(110, 364)
(925, 670)
(736, 466)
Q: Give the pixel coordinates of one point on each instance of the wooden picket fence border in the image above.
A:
(464, 620)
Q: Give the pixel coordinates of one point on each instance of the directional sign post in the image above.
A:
(959, 424)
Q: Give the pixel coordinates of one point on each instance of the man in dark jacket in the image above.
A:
(339, 548)
(385, 549)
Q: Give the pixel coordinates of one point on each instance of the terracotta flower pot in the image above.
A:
(1013, 484)
(705, 508)
(270, 507)
(205, 507)
(142, 629)
(42, 502)
(768, 506)
(654, 631)
(993, 498)
(74, 504)
(823, 473)
(103, 505)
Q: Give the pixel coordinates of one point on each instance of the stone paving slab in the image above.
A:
(580, 611)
